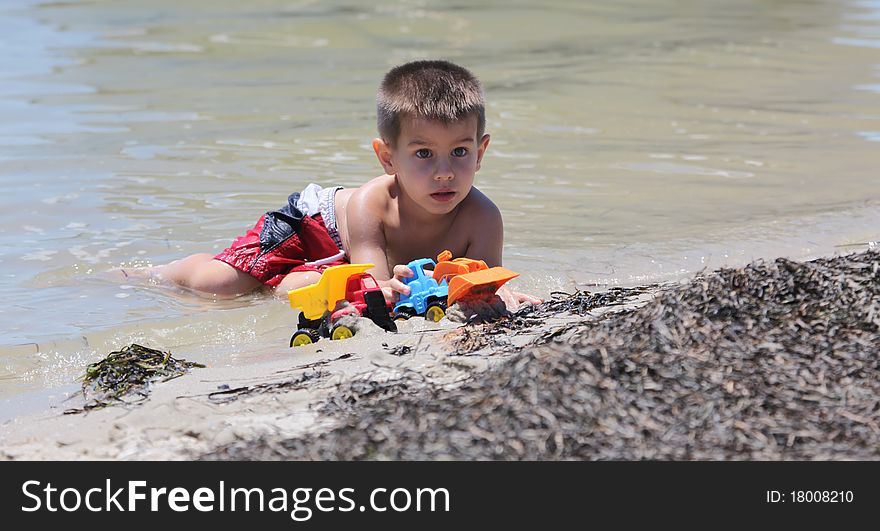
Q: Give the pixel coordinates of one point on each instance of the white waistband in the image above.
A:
(317, 200)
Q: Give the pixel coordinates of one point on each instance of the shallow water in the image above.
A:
(632, 141)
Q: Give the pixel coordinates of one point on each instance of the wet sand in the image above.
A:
(776, 360)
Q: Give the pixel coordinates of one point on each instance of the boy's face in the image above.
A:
(434, 162)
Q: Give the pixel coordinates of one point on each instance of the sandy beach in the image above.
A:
(632, 143)
(212, 407)
(773, 361)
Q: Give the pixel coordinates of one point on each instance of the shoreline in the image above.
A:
(210, 407)
(39, 367)
(338, 394)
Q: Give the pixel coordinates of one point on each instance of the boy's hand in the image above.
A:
(391, 288)
(514, 300)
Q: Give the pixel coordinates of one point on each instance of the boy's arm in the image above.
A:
(486, 240)
(487, 243)
(366, 241)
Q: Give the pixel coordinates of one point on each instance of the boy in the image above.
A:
(431, 121)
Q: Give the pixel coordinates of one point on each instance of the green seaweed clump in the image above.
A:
(124, 376)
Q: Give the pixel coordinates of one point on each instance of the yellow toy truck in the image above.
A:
(342, 290)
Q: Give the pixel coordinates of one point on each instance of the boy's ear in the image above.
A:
(383, 153)
(481, 150)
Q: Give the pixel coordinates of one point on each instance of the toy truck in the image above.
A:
(426, 297)
(342, 290)
(469, 279)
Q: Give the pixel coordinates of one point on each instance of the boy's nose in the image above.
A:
(444, 172)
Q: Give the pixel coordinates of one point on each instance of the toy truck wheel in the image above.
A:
(341, 332)
(435, 312)
(403, 313)
(304, 336)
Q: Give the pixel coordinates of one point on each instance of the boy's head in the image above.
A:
(432, 90)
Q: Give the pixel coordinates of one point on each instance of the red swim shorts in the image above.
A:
(282, 242)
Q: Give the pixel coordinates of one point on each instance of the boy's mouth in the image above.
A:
(444, 195)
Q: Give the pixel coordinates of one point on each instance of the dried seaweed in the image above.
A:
(350, 394)
(124, 376)
(583, 302)
(480, 335)
(399, 350)
(300, 382)
(772, 361)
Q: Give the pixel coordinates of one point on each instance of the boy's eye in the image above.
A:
(423, 153)
(459, 152)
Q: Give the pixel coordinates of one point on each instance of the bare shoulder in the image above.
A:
(375, 193)
(362, 214)
(478, 208)
(368, 202)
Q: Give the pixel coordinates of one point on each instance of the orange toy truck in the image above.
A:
(469, 279)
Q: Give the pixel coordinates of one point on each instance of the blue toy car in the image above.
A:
(426, 296)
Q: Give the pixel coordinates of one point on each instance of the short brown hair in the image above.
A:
(435, 90)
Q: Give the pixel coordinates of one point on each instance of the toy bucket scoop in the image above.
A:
(470, 279)
(479, 284)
